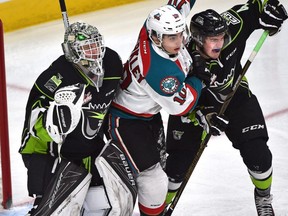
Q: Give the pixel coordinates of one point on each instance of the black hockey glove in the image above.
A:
(208, 119)
(272, 17)
(199, 69)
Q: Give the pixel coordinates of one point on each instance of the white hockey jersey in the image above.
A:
(153, 80)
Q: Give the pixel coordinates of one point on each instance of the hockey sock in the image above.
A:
(262, 181)
(170, 196)
(173, 187)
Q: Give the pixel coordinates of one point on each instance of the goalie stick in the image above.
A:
(203, 144)
(66, 25)
(64, 13)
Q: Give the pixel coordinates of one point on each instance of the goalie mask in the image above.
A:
(208, 24)
(84, 46)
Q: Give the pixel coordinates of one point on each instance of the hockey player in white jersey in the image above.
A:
(158, 74)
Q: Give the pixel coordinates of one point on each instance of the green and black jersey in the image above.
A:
(83, 140)
(242, 20)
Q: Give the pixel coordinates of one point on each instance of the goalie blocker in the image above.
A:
(69, 190)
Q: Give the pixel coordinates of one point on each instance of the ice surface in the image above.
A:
(220, 184)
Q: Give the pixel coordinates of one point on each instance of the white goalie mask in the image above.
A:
(84, 46)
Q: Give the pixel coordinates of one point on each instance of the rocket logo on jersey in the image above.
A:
(92, 119)
(169, 85)
(92, 116)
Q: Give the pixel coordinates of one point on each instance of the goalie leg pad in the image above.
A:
(96, 202)
(66, 191)
(118, 180)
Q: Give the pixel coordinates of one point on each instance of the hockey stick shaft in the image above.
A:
(207, 138)
(244, 70)
(64, 13)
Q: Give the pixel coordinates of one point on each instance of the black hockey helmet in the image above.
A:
(208, 23)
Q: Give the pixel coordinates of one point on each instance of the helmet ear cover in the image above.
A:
(208, 24)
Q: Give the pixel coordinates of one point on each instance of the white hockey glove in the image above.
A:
(64, 112)
(272, 17)
(208, 119)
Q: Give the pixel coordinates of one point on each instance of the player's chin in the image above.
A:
(214, 54)
(175, 51)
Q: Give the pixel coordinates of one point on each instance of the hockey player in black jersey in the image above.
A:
(221, 41)
(63, 127)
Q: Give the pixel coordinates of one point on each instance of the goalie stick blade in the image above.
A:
(66, 192)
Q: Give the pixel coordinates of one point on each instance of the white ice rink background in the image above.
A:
(220, 184)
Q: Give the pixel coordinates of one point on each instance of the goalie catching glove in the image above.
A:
(208, 119)
(273, 16)
(64, 112)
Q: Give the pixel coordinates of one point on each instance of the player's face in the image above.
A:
(91, 50)
(212, 45)
(172, 43)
